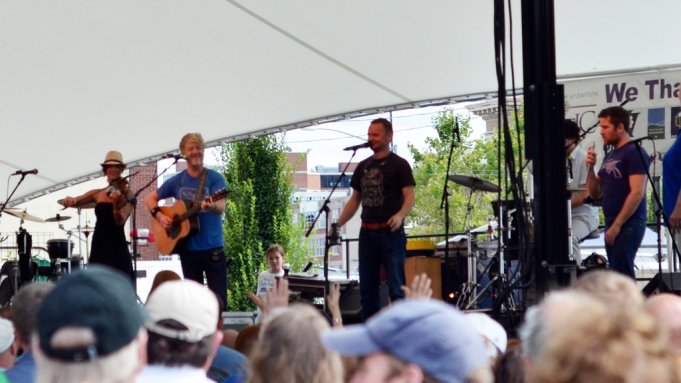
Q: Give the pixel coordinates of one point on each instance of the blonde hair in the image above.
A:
(192, 137)
(600, 343)
(288, 336)
(611, 288)
(118, 367)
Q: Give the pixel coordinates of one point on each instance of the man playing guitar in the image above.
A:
(204, 251)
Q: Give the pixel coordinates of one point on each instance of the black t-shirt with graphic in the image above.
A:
(380, 184)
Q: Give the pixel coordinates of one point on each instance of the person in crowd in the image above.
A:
(161, 277)
(290, 350)
(572, 337)
(203, 252)
(229, 338)
(183, 335)
(90, 329)
(24, 311)
(416, 340)
(266, 279)
(227, 362)
(109, 245)
(383, 185)
(510, 367)
(8, 350)
(666, 309)
(611, 288)
(247, 339)
(584, 217)
(621, 181)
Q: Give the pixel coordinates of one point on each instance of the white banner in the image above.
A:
(652, 98)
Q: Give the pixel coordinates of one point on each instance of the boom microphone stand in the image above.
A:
(329, 240)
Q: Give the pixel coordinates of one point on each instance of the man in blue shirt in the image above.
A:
(671, 184)
(204, 252)
(621, 182)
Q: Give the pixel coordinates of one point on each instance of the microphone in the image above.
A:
(360, 146)
(176, 156)
(308, 267)
(458, 131)
(638, 140)
(24, 172)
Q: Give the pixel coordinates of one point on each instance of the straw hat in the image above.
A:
(113, 158)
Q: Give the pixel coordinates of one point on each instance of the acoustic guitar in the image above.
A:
(185, 222)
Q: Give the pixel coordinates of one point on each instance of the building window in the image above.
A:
(334, 215)
(321, 222)
(309, 218)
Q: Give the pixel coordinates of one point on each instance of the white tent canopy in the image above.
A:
(79, 78)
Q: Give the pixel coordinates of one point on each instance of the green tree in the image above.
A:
(475, 157)
(258, 212)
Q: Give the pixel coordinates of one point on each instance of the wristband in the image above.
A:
(154, 211)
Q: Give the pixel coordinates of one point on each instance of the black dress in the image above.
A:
(109, 246)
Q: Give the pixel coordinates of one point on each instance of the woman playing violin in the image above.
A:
(109, 245)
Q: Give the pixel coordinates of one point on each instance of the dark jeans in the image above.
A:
(376, 248)
(621, 255)
(213, 263)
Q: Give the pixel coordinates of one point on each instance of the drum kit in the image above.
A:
(492, 250)
(60, 251)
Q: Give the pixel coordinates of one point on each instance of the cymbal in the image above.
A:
(24, 215)
(90, 205)
(474, 183)
(58, 218)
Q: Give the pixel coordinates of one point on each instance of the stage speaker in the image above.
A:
(664, 283)
(351, 303)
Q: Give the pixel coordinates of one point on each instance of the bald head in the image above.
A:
(666, 309)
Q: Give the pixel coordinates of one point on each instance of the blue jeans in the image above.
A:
(376, 248)
(213, 263)
(621, 255)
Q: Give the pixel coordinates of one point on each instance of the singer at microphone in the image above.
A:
(383, 185)
(25, 172)
(360, 146)
(621, 181)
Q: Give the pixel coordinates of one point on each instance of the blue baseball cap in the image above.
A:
(428, 333)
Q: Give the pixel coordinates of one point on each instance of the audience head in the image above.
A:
(666, 309)
(611, 288)
(572, 337)
(163, 276)
(247, 339)
(90, 329)
(290, 349)
(24, 310)
(7, 349)
(229, 338)
(182, 324)
(416, 340)
(510, 367)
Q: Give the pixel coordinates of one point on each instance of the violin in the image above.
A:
(120, 185)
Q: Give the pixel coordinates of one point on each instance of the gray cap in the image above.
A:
(428, 333)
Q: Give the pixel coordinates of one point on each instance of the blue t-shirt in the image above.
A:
(617, 166)
(183, 187)
(671, 176)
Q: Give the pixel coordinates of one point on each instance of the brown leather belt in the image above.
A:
(375, 226)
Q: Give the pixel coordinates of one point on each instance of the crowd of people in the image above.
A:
(89, 327)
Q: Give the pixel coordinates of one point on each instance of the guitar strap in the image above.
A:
(199, 190)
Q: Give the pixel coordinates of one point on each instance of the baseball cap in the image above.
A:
(6, 334)
(100, 299)
(489, 328)
(428, 333)
(186, 302)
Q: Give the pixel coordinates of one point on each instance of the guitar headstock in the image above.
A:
(220, 194)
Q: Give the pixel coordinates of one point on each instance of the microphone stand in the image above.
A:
(445, 204)
(327, 243)
(660, 213)
(4, 205)
(133, 201)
